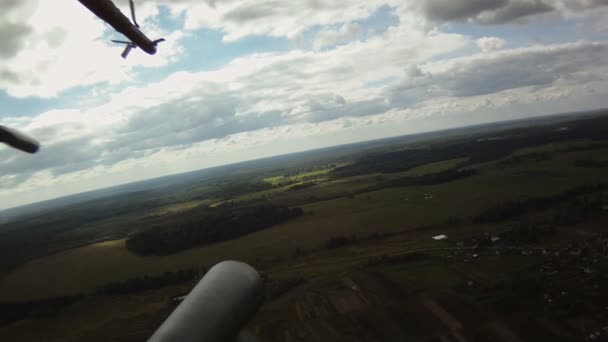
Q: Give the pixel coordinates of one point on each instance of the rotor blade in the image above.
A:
(126, 51)
(132, 4)
(18, 140)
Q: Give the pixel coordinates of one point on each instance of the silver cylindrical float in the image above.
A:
(218, 307)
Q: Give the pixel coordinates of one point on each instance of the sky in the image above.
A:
(244, 79)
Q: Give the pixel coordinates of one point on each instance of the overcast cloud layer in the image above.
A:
(282, 76)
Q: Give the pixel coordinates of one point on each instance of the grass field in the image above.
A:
(316, 175)
(434, 167)
(319, 174)
(555, 147)
(179, 207)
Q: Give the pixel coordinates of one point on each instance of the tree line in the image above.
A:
(144, 283)
(511, 209)
(425, 180)
(209, 226)
(33, 309)
(476, 150)
(15, 311)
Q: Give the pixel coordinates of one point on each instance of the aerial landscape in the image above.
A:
(494, 230)
(294, 171)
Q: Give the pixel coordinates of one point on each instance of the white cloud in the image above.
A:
(488, 44)
(502, 11)
(330, 37)
(566, 65)
(238, 19)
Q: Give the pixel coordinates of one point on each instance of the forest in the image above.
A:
(511, 209)
(208, 226)
(144, 283)
(478, 150)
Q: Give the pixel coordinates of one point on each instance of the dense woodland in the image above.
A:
(35, 309)
(478, 149)
(430, 179)
(15, 311)
(145, 283)
(509, 210)
(209, 225)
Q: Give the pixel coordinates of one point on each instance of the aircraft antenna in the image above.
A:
(128, 47)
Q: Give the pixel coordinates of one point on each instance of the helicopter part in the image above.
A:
(18, 140)
(218, 307)
(132, 5)
(108, 12)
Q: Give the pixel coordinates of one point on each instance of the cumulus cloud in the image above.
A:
(513, 11)
(538, 66)
(487, 44)
(13, 30)
(11, 38)
(459, 9)
(330, 37)
(581, 5)
(494, 12)
(277, 18)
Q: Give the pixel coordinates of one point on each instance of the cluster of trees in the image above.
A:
(508, 210)
(340, 241)
(477, 151)
(587, 147)
(590, 163)
(15, 311)
(527, 233)
(145, 283)
(233, 187)
(34, 309)
(581, 210)
(277, 288)
(515, 160)
(302, 186)
(208, 226)
(430, 179)
(397, 259)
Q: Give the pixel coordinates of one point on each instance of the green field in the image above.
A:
(300, 177)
